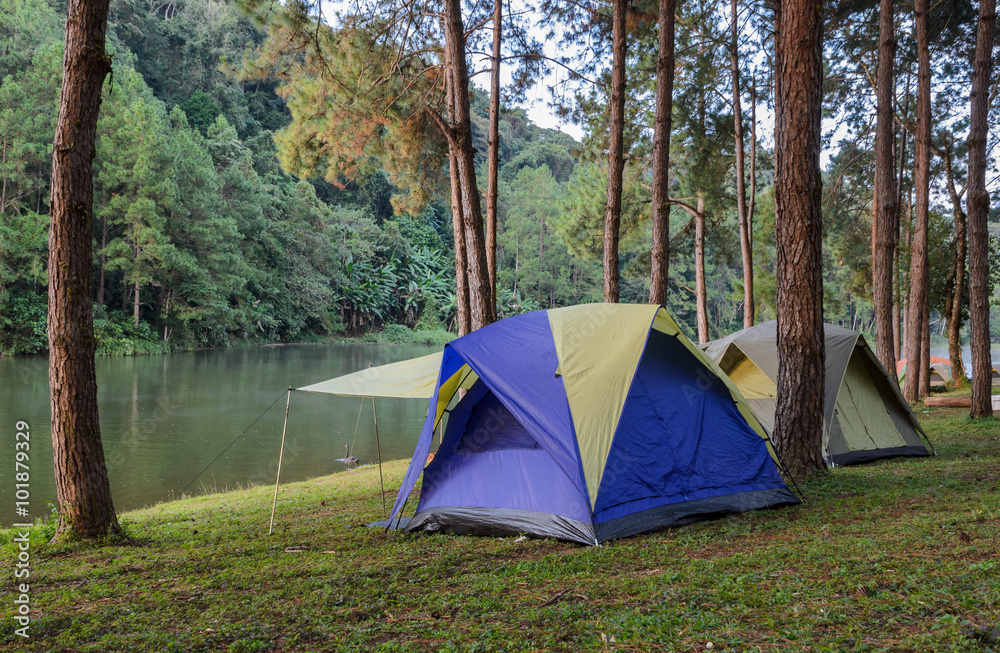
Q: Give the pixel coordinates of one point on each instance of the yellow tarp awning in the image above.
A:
(414, 379)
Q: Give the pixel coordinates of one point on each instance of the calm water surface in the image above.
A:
(165, 418)
(938, 350)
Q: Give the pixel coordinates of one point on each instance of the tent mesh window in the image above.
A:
(491, 427)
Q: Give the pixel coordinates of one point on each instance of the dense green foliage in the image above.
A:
(900, 555)
(200, 238)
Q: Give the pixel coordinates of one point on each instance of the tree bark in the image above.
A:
(919, 277)
(616, 161)
(135, 304)
(463, 323)
(660, 254)
(482, 307)
(925, 352)
(753, 163)
(701, 293)
(166, 314)
(798, 429)
(743, 216)
(897, 223)
(104, 245)
(493, 157)
(82, 488)
(958, 272)
(979, 206)
(541, 253)
(884, 218)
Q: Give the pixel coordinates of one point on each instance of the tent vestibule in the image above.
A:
(865, 416)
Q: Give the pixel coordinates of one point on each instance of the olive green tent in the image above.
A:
(865, 416)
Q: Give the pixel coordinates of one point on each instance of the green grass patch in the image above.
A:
(900, 555)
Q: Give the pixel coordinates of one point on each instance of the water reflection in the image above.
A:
(165, 418)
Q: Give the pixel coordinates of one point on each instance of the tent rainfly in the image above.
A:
(940, 372)
(585, 424)
(865, 416)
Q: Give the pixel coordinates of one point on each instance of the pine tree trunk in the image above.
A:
(897, 341)
(925, 352)
(957, 285)
(701, 293)
(753, 163)
(660, 253)
(798, 429)
(3, 191)
(884, 218)
(541, 254)
(493, 157)
(461, 271)
(166, 315)
(463, 323)
(82, 488)
(918, 254)
(979, 206)
(742, 215)
(135, 304)
(104, 244)
(482, 307)
(616, 161)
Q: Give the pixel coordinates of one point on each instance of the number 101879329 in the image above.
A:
(22, 469)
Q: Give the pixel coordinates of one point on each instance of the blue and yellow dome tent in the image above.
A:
(585, 424)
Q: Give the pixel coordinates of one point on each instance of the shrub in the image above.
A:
(398, 334)
(23, 316)
(118, 335)
(395, 334)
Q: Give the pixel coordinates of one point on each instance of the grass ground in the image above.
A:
(901, 555)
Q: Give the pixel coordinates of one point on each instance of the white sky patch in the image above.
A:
(539, 97)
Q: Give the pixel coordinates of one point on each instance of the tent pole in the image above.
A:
(378, 452)
(400, 517)
(281, 453)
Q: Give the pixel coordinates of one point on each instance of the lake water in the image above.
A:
(165, 418)
(942, 350)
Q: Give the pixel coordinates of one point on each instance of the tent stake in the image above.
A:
(281, 453)
(378, 453)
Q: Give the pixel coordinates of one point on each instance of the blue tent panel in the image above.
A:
(680, 438)
(516, 359)
(489, 460)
